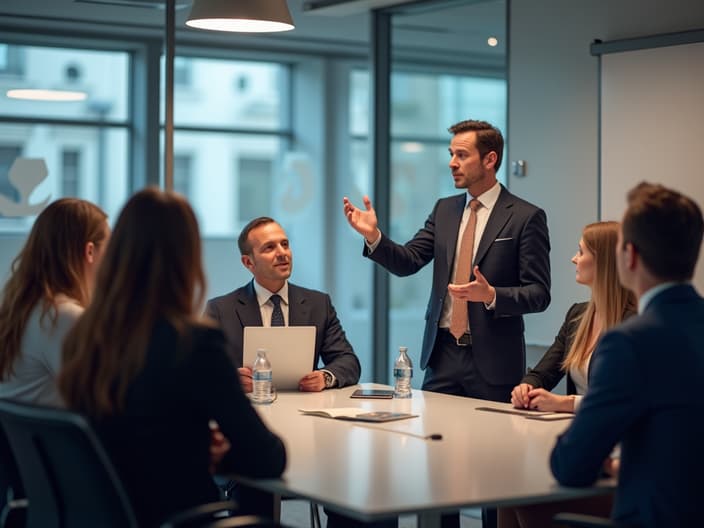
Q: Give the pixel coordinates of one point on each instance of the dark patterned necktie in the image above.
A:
(277, 316)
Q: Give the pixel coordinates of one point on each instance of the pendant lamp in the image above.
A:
(246, 16)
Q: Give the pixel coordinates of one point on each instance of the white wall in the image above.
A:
(553, 116)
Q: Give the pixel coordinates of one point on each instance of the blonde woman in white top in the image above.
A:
(49, 286)
(570, 354)
(609, 304)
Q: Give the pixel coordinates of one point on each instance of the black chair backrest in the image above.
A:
(68, 477)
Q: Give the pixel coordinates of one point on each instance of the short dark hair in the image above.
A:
(488, 137)
(665, 227)
(242, 241)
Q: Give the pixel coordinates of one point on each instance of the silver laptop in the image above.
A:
(290, 349)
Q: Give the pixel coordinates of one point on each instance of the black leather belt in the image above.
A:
(465, 340)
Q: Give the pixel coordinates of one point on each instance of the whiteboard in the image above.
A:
(652, 125)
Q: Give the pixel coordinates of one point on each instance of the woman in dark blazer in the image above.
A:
(152, 377)
(570, 354)
(609, 304)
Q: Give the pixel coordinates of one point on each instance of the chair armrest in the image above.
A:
(14, 514)
(200, 515)
(578, 520)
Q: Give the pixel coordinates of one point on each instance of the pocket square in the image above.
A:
(503, 239)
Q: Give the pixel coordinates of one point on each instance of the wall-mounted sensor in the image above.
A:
(518, 168)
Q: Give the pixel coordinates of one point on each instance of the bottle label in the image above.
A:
(403, 372)
(261, 375)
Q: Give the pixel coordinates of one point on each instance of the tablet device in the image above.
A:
(375, 394)
(290, 350)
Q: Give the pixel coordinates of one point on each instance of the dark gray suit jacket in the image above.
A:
(513, 255)
(307, 307)
(645, 392)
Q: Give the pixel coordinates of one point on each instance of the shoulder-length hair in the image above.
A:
(151, 271)
(51, 262)
(609, 301)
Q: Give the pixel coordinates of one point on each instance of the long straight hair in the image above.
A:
(51, 262)
(152, 271)
(609, 300)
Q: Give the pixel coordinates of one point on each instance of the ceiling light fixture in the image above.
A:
(492, 41)
(36, 94)
(245, 16)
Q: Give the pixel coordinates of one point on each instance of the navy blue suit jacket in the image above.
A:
(514, 256)
(645, 392)
(240, 308)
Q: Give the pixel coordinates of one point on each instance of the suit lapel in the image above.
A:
(298, 307)
(500, 215)
(247, 307)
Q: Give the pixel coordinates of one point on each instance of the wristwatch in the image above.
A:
(328, 379)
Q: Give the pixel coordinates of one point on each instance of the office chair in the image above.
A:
(13, 502)
(70, 481)
(578, 520)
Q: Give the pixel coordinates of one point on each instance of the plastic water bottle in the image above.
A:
(261, 379)
(403, 372)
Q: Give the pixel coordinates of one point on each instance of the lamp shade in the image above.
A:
(246, 16)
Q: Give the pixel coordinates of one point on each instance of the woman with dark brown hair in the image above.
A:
(151, 375)
(49, 286)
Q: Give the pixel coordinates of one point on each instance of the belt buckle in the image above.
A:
(464, 340)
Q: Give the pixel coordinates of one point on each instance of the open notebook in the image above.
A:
(358, 415)
(290, 350)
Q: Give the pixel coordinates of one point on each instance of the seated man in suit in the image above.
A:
(646, 373)
(270, 300)
(265, 252)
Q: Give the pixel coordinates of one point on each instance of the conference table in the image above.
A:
(371, 471)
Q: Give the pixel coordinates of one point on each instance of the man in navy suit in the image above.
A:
(265, 251)
(510, 275)
(646, 374)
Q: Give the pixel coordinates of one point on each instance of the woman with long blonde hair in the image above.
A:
(585, 322)
(569, 355)
(49, 287)
(151, 375)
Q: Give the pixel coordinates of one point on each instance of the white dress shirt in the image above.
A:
(488, 201)
(266, 307)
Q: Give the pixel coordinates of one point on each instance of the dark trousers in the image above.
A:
(452, 370)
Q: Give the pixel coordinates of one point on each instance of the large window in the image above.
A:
(50, 149)
(230, 135)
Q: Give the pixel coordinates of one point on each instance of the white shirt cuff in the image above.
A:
(371, 247)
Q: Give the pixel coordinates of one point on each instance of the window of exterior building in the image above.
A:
(70, 172)
(236, 131)
(76, 148)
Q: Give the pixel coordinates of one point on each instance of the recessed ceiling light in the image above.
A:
(492, 41)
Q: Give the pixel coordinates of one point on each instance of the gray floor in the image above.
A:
(295, 513)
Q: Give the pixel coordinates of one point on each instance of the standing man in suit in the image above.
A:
(270, 300)
(473, 343)
(646, 374)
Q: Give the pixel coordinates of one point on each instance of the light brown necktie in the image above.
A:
(459, 320)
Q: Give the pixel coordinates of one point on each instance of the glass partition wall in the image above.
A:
(459, 76)
(259, 133)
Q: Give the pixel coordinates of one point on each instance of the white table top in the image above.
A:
(371, 471)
